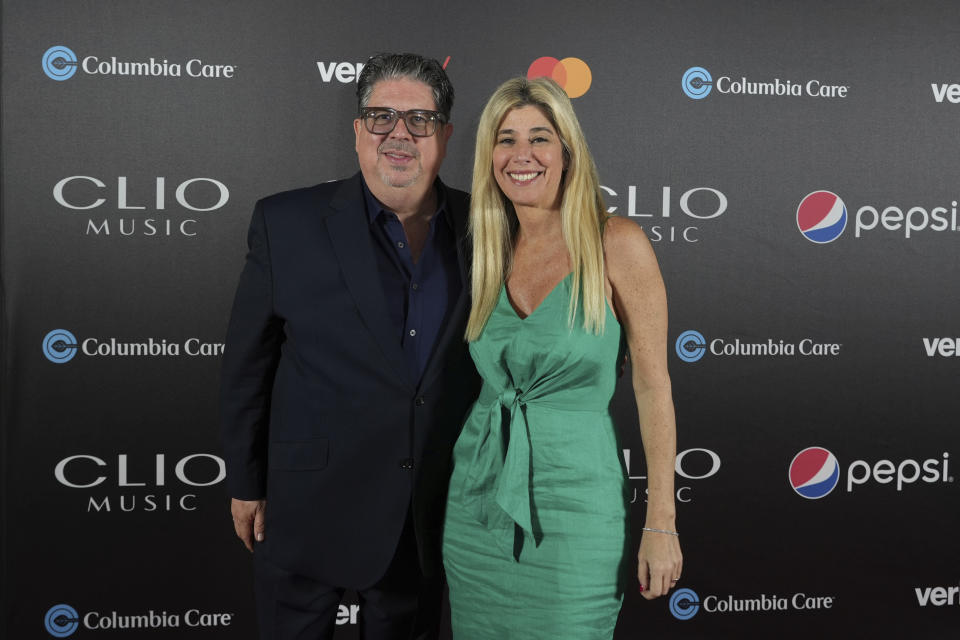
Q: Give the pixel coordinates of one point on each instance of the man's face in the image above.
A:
(398, 159)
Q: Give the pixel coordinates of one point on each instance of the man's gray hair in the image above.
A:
(392, 66)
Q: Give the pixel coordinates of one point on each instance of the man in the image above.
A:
(346, 378)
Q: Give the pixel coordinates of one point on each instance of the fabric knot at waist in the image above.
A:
(497, 487)
(510, 397)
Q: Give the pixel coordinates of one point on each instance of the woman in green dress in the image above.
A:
(535, 541)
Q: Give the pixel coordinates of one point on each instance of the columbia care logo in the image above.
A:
(691, 346)
(61, 63)
(60, 346)
(686, 603)
(62, 620)
(697, 83)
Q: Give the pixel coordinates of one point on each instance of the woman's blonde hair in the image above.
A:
(493, 220)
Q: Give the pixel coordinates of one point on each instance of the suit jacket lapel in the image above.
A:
(349, 232)
(455, 324)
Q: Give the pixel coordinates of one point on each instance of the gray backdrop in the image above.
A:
(125, 205)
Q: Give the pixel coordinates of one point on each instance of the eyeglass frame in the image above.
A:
(398, 115)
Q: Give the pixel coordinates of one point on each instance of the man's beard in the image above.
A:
(399, 177)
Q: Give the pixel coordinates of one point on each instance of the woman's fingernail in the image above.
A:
(642, 588)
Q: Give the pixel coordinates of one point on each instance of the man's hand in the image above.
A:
(248, 520)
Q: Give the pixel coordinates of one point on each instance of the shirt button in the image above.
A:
(420, 401)
(406, 463)
(413, 332)
(400, 244)
(415, 286)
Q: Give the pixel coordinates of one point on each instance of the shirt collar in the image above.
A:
(374, 208)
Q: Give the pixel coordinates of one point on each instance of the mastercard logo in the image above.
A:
(572, 74)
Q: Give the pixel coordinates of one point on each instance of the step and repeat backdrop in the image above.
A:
(795, 165)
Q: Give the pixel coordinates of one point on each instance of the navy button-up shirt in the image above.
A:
(419, 297)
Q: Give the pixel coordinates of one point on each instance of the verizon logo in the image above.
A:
(347, 72)
(950, 92)
(938, 596)
(945, 347)
(344, 72)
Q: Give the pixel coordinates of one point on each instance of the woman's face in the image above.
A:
(528, 159)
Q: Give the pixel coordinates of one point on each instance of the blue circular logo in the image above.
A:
(684, 604)
(61, 620)
(691, 345)
(697, 83)
(59, 63)
(60, 346)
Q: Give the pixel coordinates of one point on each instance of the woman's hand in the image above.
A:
(660, 563)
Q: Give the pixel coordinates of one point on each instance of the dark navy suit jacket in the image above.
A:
(320, 414)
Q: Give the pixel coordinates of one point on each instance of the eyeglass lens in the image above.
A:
(418, 122)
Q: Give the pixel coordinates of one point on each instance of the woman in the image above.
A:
(535, 533)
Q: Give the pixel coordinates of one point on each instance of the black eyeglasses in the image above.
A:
(419, 122)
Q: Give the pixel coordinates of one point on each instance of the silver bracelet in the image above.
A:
(669, 533)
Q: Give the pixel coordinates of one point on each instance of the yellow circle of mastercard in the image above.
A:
(572, 74)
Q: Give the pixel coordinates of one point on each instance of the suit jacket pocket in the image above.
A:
(299, 455)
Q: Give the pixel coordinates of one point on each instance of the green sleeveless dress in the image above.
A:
(535, 532)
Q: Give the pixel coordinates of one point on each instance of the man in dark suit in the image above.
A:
(346, 377)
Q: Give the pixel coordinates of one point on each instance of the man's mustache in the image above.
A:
(398, 145)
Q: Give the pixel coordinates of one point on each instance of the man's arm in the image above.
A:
(250, 361)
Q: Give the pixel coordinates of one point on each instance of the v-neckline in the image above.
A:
(506, 294)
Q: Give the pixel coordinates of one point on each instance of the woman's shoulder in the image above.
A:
(625, 245)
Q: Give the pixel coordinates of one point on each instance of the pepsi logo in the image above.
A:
(822, 217)
(814, 472)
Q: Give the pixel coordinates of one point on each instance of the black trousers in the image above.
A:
(402, 605)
